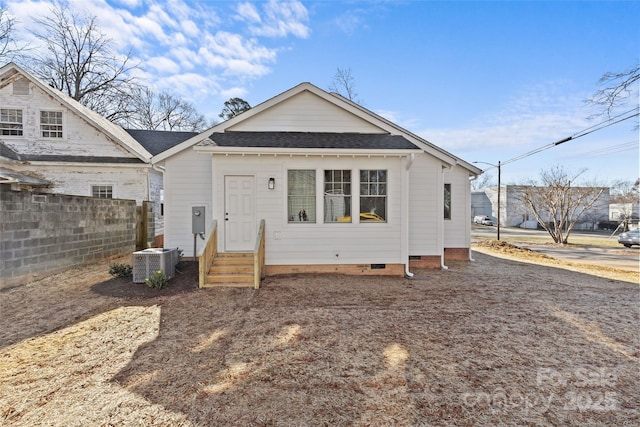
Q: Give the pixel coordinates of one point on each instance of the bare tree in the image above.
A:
(616, 88)
(483, 181)
(9, 47)
(163, 111)
(233, 107)
(80, 61)
(344, 84)
(626, 195)
(625, 191)
(557, 203)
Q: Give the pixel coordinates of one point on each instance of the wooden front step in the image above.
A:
(231, 269)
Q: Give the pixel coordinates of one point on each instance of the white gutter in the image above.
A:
(405, 219)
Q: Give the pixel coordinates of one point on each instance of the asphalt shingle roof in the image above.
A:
(8, 153)
(312, 140)
(157, 141)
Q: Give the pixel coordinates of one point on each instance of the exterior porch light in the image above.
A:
(272, 183)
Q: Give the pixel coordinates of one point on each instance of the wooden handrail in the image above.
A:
(208, 253)
(258, 256)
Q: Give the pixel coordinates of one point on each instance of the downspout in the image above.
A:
(442, 265)
(473, 178)
(407, 273)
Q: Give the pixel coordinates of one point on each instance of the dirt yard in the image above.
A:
(494, 341)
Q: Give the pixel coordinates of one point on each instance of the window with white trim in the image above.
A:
(301, 196)
(102, 191)
(11, 122)
(447, 201)
(373, 195)
(51, 124)
(337, 196)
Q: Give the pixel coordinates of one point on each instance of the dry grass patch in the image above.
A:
(511, 251)
(489, 342)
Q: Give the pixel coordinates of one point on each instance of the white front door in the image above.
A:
(239, 213)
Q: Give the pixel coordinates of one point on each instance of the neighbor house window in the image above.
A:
(10, 122)
(447, 201)
(337, 196)
(301, 195)
(51, 124)
(102, 191)
(373, 195)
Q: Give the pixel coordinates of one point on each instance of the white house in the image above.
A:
(340, 189)
(49, 136)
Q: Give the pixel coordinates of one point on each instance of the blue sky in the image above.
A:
(487, 81)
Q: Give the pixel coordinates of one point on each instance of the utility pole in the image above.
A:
(499, 167)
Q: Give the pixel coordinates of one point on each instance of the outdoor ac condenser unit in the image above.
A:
(148, 261)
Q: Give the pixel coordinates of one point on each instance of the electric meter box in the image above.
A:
(197, 220)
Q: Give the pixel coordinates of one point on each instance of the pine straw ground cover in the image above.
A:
(490, 342)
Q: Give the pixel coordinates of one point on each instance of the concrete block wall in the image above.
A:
(44, 233)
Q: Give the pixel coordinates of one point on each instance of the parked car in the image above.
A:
(482, 219)
(629, 238)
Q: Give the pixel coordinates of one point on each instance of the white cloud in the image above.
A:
(248, 12)
(184, 48)
(234, 92)
(234, 54)
(162, 65)
(130, 3)
(350, 21)
(280, 19)
(536, 116)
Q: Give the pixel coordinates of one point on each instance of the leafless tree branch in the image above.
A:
(344, 84)
(615, 90)
(79, 61)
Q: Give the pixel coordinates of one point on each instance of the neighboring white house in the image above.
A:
(514, 213)
(624, 211)
(340, 188)
(47, 135)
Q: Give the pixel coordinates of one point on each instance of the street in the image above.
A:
(605, 255)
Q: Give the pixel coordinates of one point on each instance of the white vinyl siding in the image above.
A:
(425, 206)
(187, 183)
(312, 243)
(457, 231)
(305, 112)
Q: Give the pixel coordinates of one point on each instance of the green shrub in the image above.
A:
(157, 280)
(121, 270)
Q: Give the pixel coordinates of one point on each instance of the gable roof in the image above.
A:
(157, 141)
(311, 140)
(383, 124)
(10, 72)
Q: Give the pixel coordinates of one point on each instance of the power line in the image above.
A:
(626, 146)
(609, 122)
